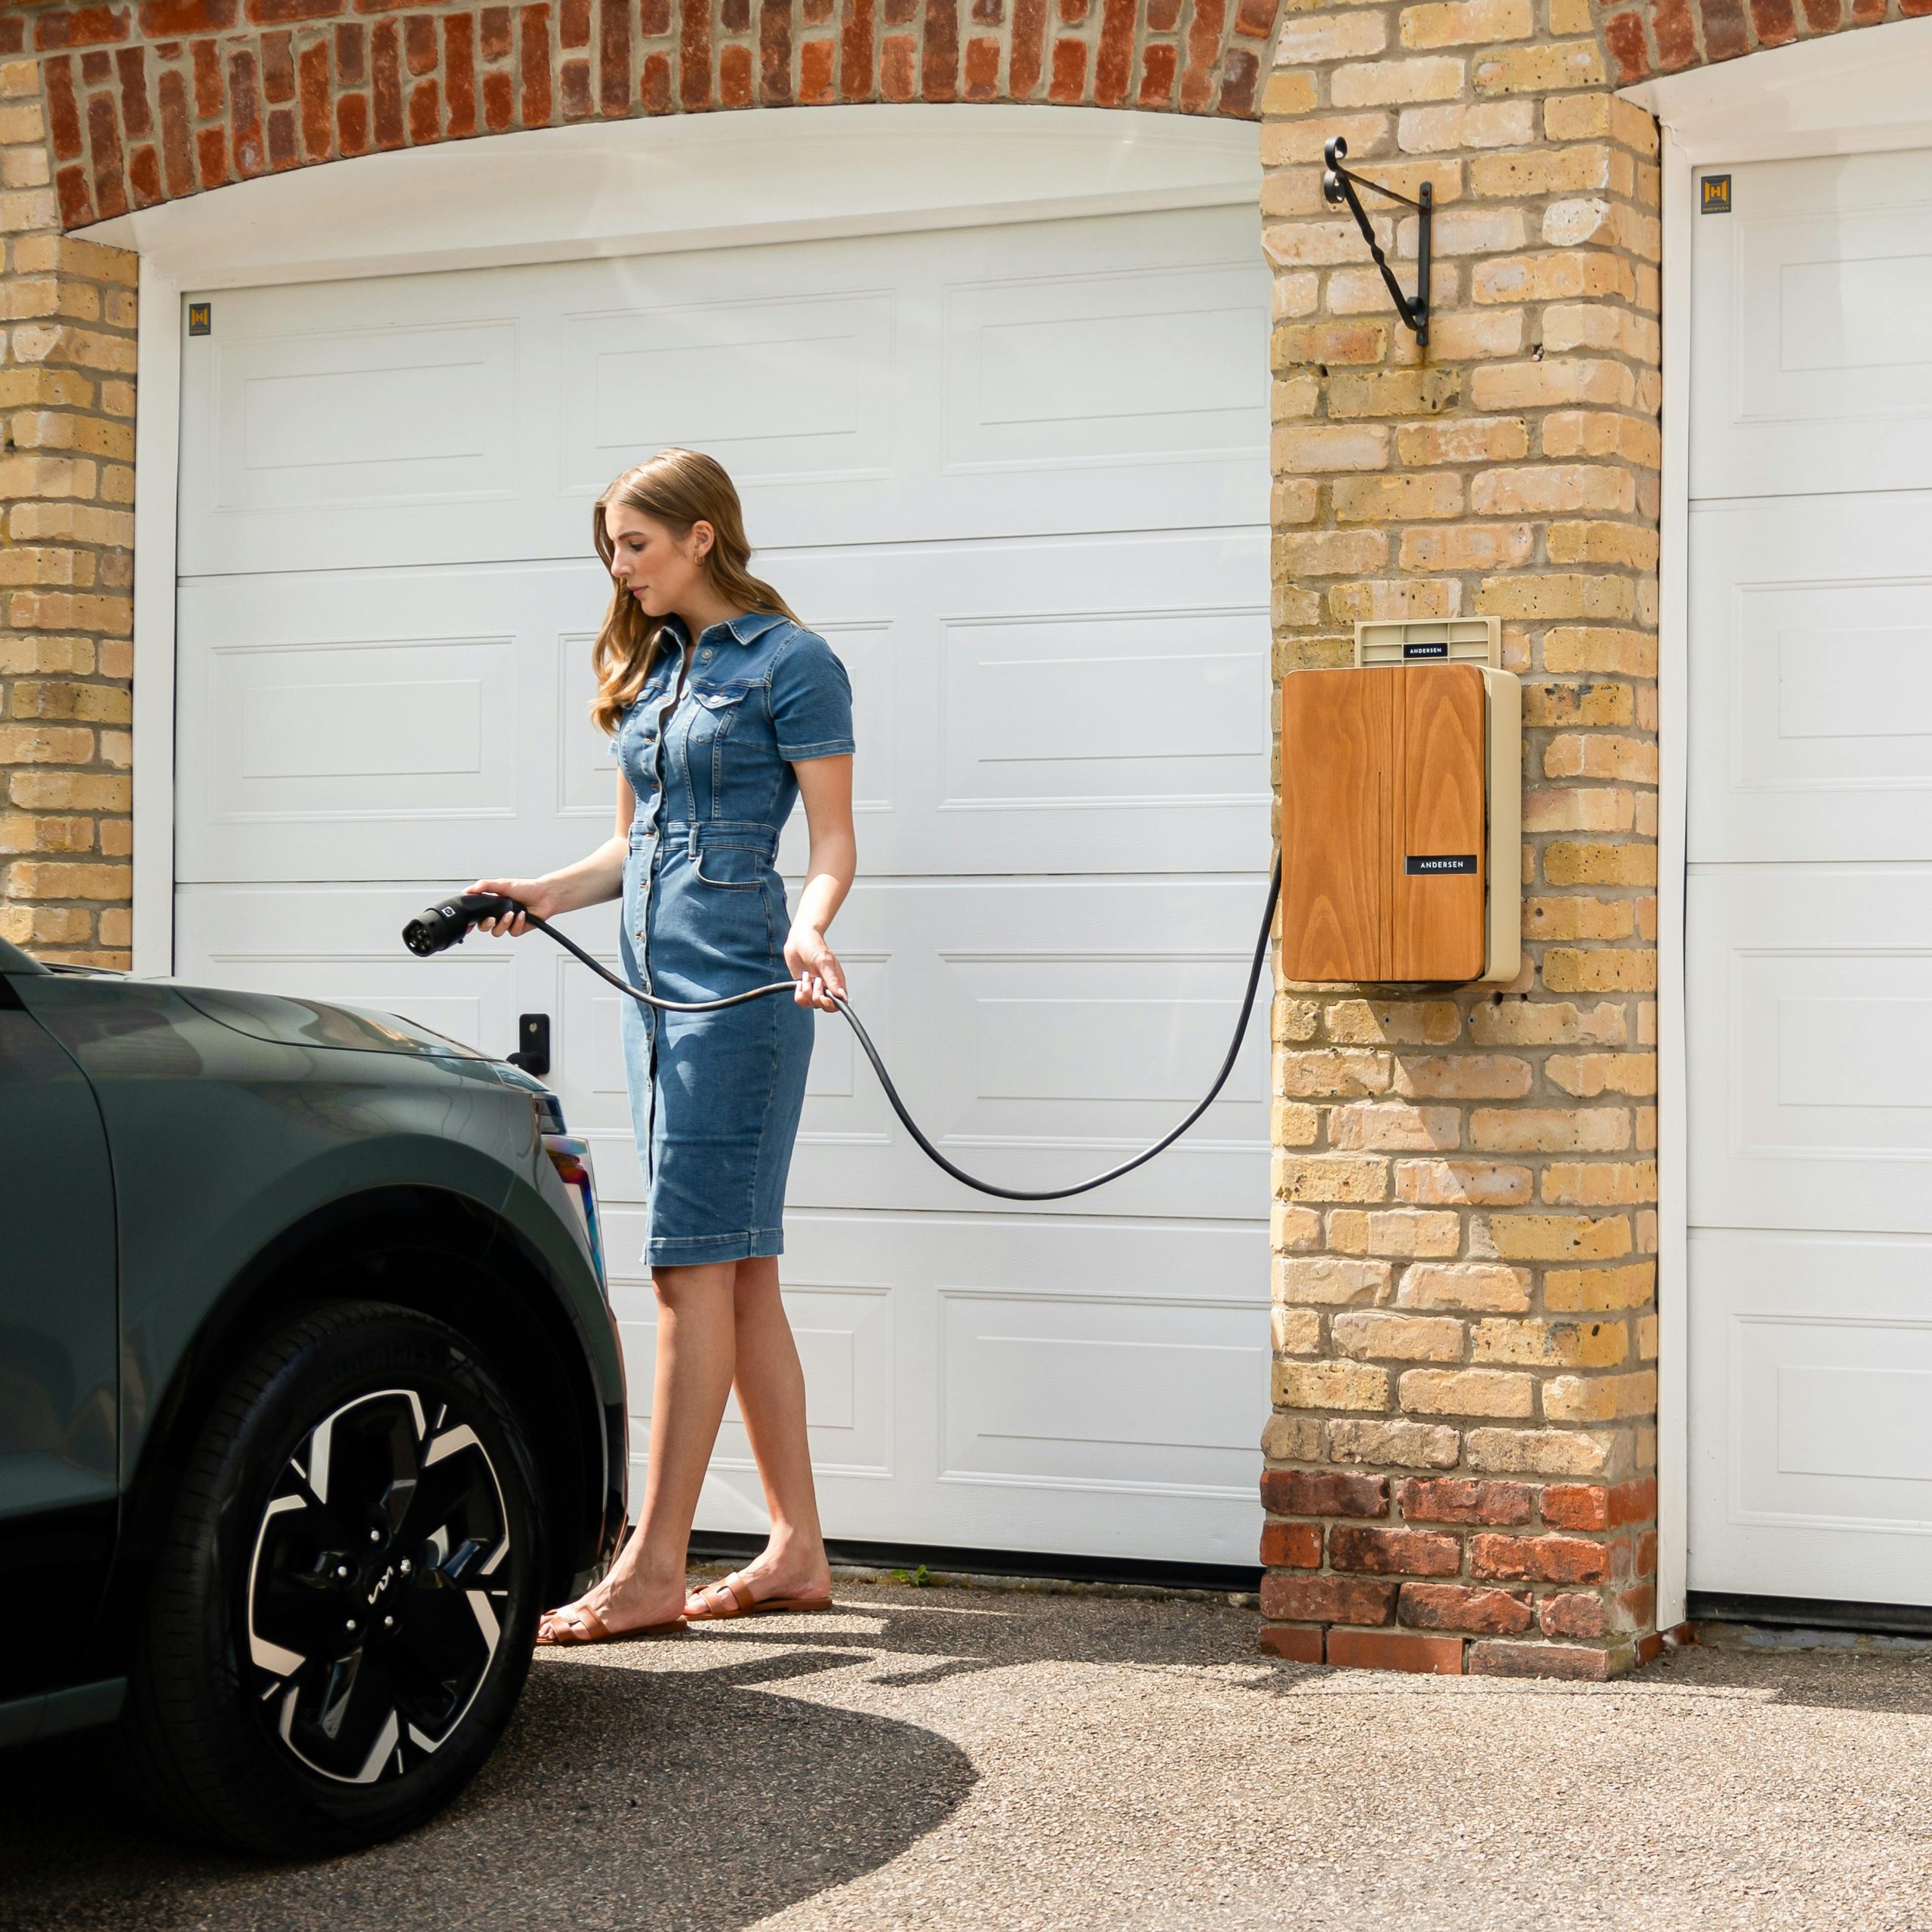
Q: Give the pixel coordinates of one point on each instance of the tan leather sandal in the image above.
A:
(554, 1632)
(733, 1598)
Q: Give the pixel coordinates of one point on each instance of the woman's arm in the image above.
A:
(826, 785)
(596, 876)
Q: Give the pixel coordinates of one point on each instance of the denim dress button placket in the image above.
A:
(645, 833)
(646, 845)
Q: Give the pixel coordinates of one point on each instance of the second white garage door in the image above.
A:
(1809, 905)
(1018, 476)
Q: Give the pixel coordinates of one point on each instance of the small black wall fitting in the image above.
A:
(1339, 184)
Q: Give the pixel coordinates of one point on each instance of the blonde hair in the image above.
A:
(678, 488)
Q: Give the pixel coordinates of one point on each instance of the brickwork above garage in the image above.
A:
(1666, 36)
(153, 101)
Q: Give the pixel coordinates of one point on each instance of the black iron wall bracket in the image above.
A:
(1338, 185)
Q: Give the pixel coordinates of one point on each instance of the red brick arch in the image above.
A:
(151, 100)
(1666, 36)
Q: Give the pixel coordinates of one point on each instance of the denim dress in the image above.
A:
(715, 1097)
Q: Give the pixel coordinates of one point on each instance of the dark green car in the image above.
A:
(310, 1396)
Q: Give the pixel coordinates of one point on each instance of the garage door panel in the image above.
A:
(1815, 1467)
(785, 389)
(1813, 657)
(389, 730)
(1134, 706)
(358, 424)
(1810, 1062)
(1095, 1391)
(1041, 1031)
(890, 388)
(361, 417)
(1130, 1428)
(1050, 370)
(1808, 322)
(400, 725)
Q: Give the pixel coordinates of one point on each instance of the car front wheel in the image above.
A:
(343, 1615)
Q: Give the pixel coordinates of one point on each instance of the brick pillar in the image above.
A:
(1459, 1469)
(66, 560)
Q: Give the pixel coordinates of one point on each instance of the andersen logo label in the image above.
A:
(1439, 862)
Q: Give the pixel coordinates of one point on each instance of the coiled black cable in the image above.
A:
(446, 925)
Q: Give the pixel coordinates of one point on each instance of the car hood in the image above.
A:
(312, 1023)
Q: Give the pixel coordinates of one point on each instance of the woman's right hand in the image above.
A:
(535, 895)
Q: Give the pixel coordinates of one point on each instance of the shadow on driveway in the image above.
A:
(915, 1639)
(921, 1636)
(688, 1800)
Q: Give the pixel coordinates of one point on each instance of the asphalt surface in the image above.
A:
(938, 1757)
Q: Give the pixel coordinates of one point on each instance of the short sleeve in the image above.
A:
(811, 700)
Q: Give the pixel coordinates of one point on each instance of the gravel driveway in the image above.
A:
(938, 1757)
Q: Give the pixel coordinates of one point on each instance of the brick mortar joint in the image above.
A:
(60, 273)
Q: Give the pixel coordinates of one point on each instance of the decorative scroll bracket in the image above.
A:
(1338, 185)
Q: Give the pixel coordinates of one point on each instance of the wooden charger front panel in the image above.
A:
(1384, 856)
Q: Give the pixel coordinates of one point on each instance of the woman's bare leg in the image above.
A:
(771, 1397)
(696, 1346)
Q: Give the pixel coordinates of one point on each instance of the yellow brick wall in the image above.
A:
(1460, 1464)
(66, 561)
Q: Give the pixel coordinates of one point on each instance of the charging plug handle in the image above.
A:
(447, 923)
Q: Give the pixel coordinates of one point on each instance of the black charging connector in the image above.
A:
(439, 927)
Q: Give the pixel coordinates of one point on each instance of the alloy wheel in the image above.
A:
(381, 1570)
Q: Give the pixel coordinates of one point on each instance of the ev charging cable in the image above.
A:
(446, 924)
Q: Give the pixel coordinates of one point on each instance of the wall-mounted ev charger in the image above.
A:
(1401, 810)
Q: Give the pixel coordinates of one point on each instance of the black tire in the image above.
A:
(303, 1590)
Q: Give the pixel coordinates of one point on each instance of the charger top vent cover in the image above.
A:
(1429, 640)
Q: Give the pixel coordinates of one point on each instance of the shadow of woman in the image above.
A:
(689, 1800)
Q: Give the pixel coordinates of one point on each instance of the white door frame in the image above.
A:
(1858, 91)
(567, 194)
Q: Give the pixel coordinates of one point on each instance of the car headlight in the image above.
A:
(570, 1155)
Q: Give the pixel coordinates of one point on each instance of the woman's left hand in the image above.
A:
(816, 967)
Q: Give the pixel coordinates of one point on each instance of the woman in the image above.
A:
(723, 711)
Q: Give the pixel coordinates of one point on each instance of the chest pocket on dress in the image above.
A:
(715, 712)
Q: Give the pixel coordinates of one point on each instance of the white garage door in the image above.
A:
(1018, 476)
(1809, 897)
